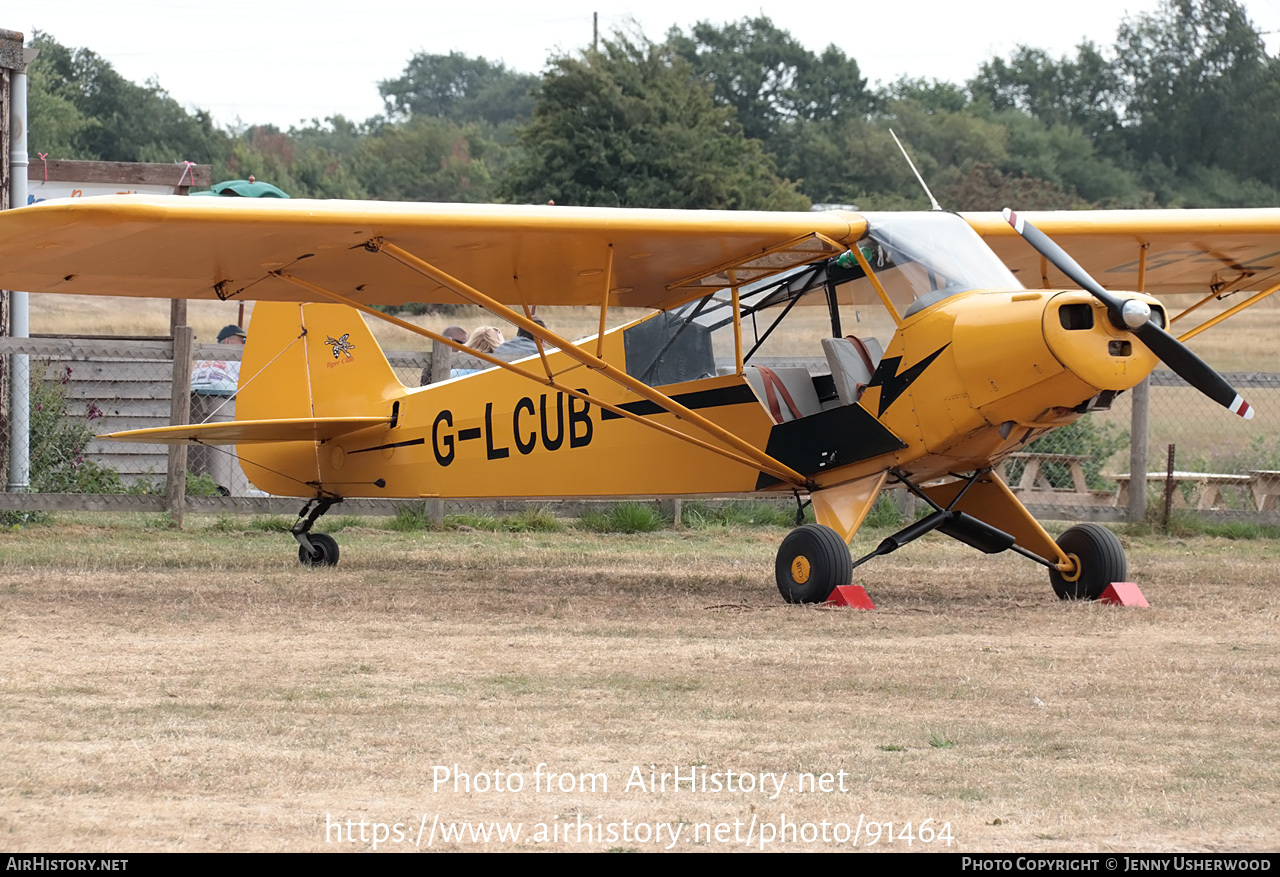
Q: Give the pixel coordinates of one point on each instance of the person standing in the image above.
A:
(213, 400)
(520, 346)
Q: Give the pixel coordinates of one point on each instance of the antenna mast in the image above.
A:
(932, 200)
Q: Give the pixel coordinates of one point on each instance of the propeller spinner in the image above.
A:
(1135, 316)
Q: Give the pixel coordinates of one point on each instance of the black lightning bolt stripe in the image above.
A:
(827, 440)
(891, 384)
(734, 395)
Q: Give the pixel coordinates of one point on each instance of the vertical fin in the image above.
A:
(307, 360)
(312, 360)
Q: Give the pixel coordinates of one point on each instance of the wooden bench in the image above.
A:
(1266, 488)
(1034, 485)
(1205, 487)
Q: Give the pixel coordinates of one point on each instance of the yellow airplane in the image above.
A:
(941, 362)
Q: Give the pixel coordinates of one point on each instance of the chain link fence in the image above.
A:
(1223, 466)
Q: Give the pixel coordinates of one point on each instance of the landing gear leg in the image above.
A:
(315, 549)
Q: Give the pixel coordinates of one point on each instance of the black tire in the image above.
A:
(1101, 561)
(326, 551)
(812, 562)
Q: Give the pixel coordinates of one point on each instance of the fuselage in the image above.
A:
(962, 383)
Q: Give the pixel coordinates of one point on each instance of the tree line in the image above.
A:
(1180, 111)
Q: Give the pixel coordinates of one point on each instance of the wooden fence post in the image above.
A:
(441, 362)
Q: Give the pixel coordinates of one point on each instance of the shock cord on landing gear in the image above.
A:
(800, 507)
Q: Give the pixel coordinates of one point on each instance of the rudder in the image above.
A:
(312, 360)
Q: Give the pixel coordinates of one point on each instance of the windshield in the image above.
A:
(922, 258)
(919, 259)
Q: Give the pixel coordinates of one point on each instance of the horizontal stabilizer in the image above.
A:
(243, 432)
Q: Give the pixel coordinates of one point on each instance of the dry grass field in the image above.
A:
(198, 690)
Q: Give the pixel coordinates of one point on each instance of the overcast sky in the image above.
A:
(288, 61)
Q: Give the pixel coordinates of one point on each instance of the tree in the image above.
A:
(459, 88)
(770, 78)
(981, 186)
(1084, 93)
(798, 104)
(857, 163)
(1194, 72)
(293, 161)
(1064, 156)
(114, 119)
(631, 125)
(427, 160)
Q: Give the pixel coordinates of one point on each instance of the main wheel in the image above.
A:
(326, 551)
(812, 562)
(1099, 560)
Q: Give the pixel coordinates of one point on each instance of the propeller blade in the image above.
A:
(1060, 259)
(1172, 352)
(1192, 369)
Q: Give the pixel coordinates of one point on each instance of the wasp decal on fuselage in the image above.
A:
(553, 420)
(340, 345)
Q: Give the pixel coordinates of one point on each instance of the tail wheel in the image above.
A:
(326, 551)
(1099, 559)
(812, 562)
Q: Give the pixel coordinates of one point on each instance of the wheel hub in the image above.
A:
(1074, 574)
(800, 569)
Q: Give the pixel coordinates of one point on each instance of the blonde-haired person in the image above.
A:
(485, 339)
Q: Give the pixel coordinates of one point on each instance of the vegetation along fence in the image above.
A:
(1225, 467)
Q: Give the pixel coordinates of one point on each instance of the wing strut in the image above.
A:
(755, 459)
(762, 460)
(1229, 312)
(604, 302)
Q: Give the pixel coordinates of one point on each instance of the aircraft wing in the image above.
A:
(1189, 251)
(243, 432)
(205, 248)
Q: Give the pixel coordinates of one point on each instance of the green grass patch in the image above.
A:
(16, 520)
(270, 524)
(488, 523)
(533, 520)
(162, 521)
(1186, 524)
(226, 523)
(342, 522)
(941, 741)
(743, 514)
(627, 517)
(410, 520)
(884, 515)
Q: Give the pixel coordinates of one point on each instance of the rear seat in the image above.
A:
(787, 393)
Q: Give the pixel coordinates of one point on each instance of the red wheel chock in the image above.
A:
(853, 596)
(1124, 594)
